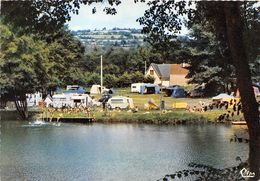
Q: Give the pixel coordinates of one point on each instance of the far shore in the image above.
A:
(166, 117)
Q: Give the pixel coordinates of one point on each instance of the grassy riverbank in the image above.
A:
(150, 117)
(175, 116)
(157, 117)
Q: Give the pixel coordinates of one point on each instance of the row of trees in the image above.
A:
(30, 63)
(124, 80)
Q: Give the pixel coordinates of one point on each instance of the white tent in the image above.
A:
(48, 101)
(222, 97)
(96, 89)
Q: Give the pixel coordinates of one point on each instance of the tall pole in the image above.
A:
(101, 74)
(144, 67)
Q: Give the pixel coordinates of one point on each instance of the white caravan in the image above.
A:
(136, 87)
(120, 102)
(71, 100)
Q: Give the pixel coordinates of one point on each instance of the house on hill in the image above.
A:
(169, 74)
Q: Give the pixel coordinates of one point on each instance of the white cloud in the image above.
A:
(127, 13)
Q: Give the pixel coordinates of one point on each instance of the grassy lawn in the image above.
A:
(140, 100)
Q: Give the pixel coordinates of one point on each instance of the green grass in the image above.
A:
(157, 117)
(151, 117)
(175, 116)
(140, 100)
(58, 114)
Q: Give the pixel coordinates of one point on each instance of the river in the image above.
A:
(111, 151)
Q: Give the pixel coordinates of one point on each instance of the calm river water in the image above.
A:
(111, 151)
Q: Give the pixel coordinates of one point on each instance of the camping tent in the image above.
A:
(223, 97)
(48, 101)
(75, 90)
(149, 89)
(176, 92)
(96, 89)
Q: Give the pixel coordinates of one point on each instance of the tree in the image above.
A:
(234, 25)
(28, 64)
(66, 56)
(19, 57)
(110, 80)
(209, 62)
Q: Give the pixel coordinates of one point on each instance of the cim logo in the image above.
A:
(246, 173)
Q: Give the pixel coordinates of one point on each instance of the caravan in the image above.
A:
(80, 100)
(71, 100)
(60, 100)
(136, 87)
(120, 102)
(145, 88)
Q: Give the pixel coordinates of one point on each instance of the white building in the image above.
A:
(33, 99)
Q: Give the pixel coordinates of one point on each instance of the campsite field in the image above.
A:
(140, 100)
(169, 116)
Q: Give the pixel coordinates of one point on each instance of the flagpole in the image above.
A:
(145, 67)
(101, 74)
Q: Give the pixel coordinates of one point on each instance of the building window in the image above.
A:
(151, 72)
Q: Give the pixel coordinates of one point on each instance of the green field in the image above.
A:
(169, 116)
(140, 100)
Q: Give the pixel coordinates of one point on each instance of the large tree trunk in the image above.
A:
(2, 103)
(21, 106)
(250, 107)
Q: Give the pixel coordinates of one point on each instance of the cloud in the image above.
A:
(127, 13)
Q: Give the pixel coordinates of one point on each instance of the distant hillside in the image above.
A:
(126, 38)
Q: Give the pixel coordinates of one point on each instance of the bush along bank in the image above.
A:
(170, 117)
(167, 118)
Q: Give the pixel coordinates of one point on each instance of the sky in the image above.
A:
(127, 13)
